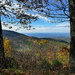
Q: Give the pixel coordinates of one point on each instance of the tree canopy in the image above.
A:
(27, 11)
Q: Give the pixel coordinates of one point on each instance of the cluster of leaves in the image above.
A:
(63, 54)
(56, 62)
(10, 61)
(8, 50)
(41, 42)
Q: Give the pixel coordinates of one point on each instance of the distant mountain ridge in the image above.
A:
(24, 42)
(49, 35)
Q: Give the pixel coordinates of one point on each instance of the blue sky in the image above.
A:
(42, 25)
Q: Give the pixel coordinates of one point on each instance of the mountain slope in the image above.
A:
(23, 42)
(19, 41)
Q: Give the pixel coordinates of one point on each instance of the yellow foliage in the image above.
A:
(68, 47)
(41, 42)
(7, 48)
(63, 56)
(37, 54)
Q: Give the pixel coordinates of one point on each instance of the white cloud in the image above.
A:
(39, 16)
(66, 24)
(41, 29)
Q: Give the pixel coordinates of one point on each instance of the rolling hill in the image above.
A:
(24, 42)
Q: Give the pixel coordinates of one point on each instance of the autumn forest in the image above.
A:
(37, 37)
(41, 56)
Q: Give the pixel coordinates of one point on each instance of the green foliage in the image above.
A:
(45, 64)
(30, 44)
(18, 71)
(57, 63)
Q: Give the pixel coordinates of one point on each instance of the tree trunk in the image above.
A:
(72, 33)
(2, 58)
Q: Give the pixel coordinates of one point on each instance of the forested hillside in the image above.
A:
(35, 56)
(23, 42)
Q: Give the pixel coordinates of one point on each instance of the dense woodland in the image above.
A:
(44, 57)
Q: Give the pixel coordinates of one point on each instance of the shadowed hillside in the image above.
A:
(19, 41)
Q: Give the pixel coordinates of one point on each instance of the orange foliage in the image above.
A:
(66, 66)
(7, 48)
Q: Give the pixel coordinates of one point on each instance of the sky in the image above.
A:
(42, 25)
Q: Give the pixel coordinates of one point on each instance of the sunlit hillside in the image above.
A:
(35, 56)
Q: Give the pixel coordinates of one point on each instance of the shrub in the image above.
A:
(57, 63)
(11, 63)
(45, 64)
